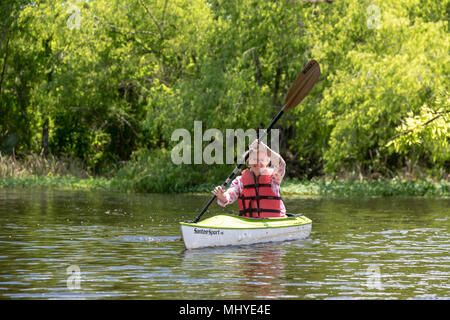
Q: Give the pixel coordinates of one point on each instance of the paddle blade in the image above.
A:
(302, 85)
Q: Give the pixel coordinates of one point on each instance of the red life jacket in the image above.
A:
(257, 199)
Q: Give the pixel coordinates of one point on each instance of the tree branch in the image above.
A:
(411, 130)
(164, 10)
(153, 18)
(122, 30)
(128, 33)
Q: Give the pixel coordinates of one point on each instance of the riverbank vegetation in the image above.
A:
(91, 91)
(70, 174)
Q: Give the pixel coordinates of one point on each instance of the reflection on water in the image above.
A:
(245, 272)
(128, 247)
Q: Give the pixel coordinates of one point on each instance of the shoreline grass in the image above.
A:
(57, 181)
(289, 187)
(68, 173)
(365, 188)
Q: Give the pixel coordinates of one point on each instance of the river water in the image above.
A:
(99, 245)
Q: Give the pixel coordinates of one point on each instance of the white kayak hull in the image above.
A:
(228, 230)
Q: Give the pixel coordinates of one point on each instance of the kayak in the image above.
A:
(229, 230)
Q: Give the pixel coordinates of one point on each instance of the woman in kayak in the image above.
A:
(258, 188)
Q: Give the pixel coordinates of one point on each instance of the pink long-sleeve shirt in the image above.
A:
(237, 187)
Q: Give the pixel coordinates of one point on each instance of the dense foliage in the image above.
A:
(108, 81)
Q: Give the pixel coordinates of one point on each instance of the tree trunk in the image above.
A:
(258, 74)
(4, 61)
(277, 85)
(45, 139)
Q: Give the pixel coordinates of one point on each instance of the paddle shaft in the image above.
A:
(239, 165)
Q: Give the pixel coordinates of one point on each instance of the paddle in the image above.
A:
(299, 90)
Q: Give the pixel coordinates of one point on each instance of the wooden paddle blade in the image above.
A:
(302, 85)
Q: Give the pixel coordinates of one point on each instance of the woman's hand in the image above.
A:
(260, 148)
(258, 145)
(220, 193)
(254, 145)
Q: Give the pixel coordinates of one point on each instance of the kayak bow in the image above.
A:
(228, 230)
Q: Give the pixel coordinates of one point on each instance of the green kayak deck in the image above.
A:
(236, 222)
